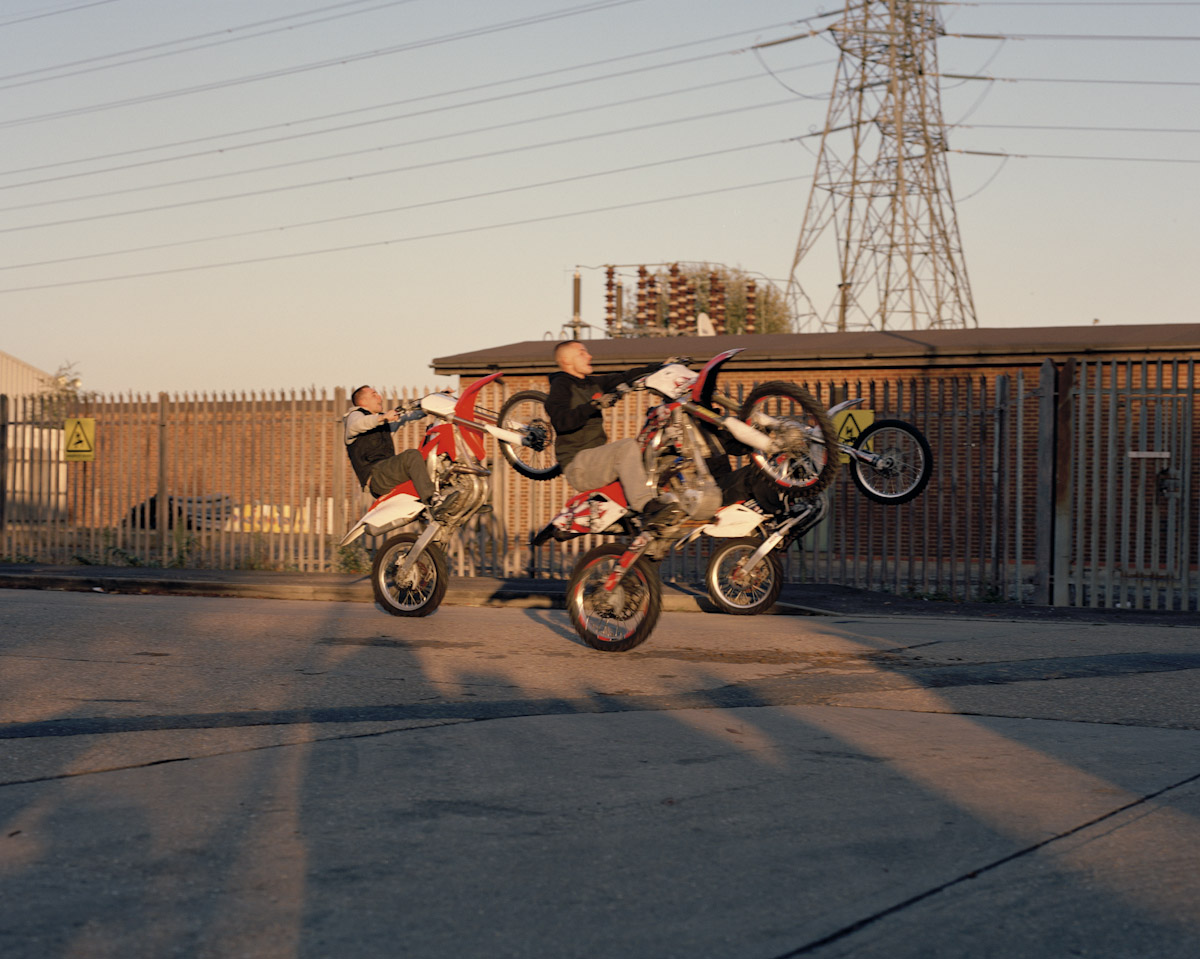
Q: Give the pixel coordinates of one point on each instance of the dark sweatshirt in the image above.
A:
(578, 424)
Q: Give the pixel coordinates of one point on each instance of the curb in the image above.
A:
(461, 591)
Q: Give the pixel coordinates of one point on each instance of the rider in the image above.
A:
(588, 460)
(379, 468)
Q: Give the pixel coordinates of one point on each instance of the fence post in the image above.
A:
(339, 470)
(1044, 496)
(162, 510)
(1064, 483)
(3, 461)
(999, 543)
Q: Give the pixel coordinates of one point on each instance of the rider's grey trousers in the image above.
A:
(599, 466)
(405, 465)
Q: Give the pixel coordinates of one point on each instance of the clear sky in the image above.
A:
(214, 195)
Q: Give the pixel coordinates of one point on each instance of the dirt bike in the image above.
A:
(409, 573)
(614, 596)
(890, 462)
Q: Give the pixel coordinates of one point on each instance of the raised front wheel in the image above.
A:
(898, 464)
(526, 413)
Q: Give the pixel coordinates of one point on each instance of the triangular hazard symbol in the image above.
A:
(850, 429)
(79, 441)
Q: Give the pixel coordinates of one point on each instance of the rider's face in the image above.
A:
(370, 400)
(576, 360)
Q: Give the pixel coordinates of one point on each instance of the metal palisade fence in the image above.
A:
(1072, 484)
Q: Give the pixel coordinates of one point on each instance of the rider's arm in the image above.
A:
(360, 421)
(610, 381)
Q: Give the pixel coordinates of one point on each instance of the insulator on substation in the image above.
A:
(610, 299)
(716, 301)
(674, 320)
(643, 294)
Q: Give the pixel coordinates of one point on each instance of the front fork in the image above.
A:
(795, 527)
(419, 547)
(636, 550)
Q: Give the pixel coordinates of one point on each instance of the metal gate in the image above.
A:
(1124, 532)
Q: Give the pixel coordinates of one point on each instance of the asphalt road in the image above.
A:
(207, 777)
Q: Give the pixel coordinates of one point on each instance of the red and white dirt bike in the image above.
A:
(410, 571)
(890, 462)
(614, 595)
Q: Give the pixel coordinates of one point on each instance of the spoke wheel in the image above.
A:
(617, 620)
(422, 589)
(739, 592)
(526, 411)
(806, 461)
(903, 466)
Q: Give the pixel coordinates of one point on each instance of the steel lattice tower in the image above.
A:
(882, 184)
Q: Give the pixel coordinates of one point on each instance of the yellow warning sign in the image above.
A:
(80, 434)
(849, 423)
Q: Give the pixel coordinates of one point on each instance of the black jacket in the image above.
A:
(369, 448)
(578, 424)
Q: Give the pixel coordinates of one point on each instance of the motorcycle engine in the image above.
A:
(701, 498)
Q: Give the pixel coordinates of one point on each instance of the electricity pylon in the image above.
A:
(881, 183)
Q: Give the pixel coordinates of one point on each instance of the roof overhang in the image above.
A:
(909, 349)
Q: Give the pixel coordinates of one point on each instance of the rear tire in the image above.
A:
(520, 411)
(616, 621)
(736, 593)
(425, 585)
(810, 462)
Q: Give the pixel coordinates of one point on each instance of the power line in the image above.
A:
(486, 100)
(54, 13)
(418, 99)
(1131, 83)
(319, 64)
(345, 154)
(1073, 36)
(1071, 156)
(242, 234)
(223, 34)
(405, 239)
(1085, 3)
(655, 125)
(1083, 129)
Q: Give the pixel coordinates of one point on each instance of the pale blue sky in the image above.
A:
(210, 195)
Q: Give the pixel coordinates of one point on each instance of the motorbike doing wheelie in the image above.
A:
(410, 571)
(890, 462)
(614, 594)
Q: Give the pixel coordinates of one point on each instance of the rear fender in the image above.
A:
(593, 511)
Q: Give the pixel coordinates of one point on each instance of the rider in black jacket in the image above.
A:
(577, 398)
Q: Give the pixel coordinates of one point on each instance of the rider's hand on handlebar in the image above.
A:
(682, 360)
(603, 401)
(405, 413)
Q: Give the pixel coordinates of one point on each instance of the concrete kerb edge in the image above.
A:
(461, 592)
